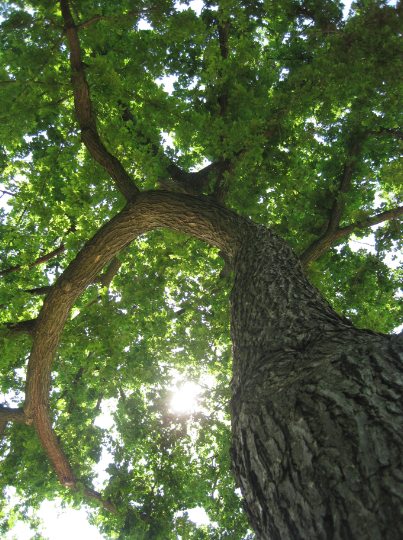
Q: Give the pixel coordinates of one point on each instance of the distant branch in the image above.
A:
(106, 278)
(395, 132)
(320, 246)
(41, 260)
(23, 327)
(100, 17)
(340, 201)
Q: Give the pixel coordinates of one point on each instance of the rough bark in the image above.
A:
(316, 408)
(24, 327)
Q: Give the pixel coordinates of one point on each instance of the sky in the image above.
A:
(67, 524)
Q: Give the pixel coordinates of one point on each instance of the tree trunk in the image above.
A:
(316, 407)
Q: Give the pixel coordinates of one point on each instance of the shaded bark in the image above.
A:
(24, 327)
(316, 408)
(40, 290)
(12, 415)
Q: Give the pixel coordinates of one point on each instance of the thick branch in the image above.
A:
(320, 246)
(14, 415)
(189, 215)
(82, 104)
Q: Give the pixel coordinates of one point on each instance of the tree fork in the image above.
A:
(320, 246)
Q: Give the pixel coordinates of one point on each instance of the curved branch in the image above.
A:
(150, 210)
(82, 104)
(320, 246)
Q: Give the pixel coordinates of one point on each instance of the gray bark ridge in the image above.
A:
(316, 407)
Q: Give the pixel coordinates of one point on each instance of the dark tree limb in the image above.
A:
(101, 17)
(340, 201)
(320, 246)
(41, 260)
(24, 327)
(12, 415)
(227, 268)
(180, 181)
(39, 290)
(82, 104)
(106, 278)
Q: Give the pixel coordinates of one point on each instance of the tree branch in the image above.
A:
(25, 327)
(41, 260)
(106, 278)
(39, 290)
(227, 268)
(320, 246)
(82, 104)
(12, 415)
(181, 181)
(340, 202)
(395, 132)
(100, 17)
(150, 210)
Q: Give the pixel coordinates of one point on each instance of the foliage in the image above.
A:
(281, 101)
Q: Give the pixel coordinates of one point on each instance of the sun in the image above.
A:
(185, 399)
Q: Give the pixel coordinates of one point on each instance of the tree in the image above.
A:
(119, 253)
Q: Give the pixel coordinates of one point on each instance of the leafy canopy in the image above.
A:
(301, 111)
